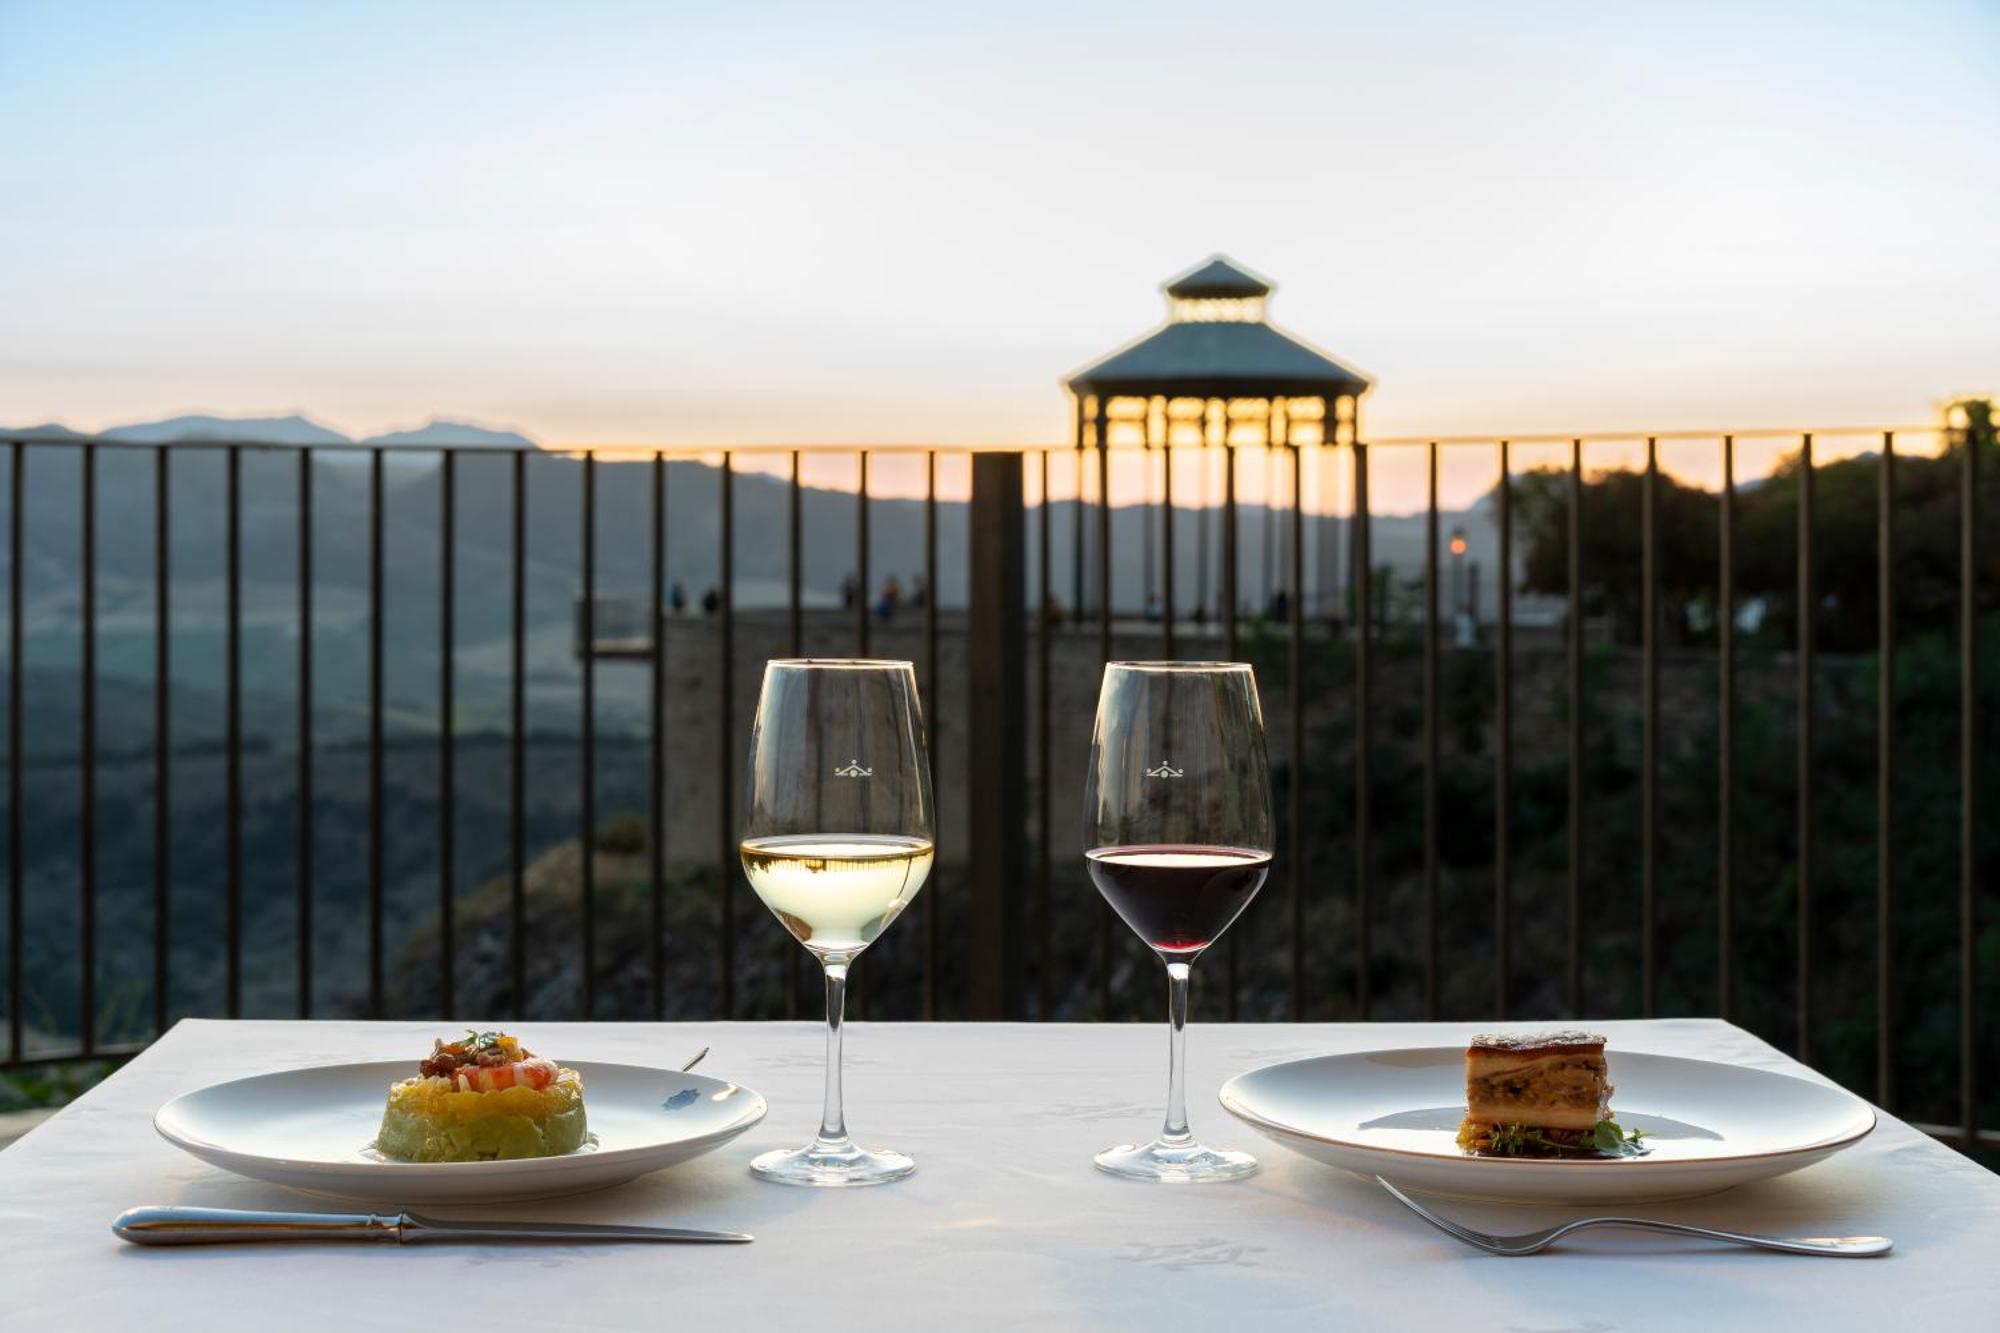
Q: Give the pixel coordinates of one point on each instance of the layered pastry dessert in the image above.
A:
(1540, 1094)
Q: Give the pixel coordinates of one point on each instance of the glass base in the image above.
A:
(1183, 1163)
(831, 1164)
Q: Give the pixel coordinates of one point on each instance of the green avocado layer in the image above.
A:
(414, 1137)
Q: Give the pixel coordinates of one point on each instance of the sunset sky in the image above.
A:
(692, 224)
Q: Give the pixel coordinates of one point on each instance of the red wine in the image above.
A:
(1177, 897)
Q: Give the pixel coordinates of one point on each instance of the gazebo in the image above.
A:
(1217, 373)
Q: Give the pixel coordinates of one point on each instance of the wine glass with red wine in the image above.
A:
(1177, 820)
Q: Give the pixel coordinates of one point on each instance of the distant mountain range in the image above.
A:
(551, 528)
(294, 429)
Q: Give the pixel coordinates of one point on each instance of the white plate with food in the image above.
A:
(1547, 1118)
(479, 1120)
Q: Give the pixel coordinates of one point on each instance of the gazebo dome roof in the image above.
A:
(1217, 344)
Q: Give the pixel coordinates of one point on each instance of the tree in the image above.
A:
(1846, 570)
(1611, 549)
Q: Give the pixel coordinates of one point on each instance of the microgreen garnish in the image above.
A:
(1607, 1139)
(1613, 1141)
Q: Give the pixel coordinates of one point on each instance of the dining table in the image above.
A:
(1004, 1222)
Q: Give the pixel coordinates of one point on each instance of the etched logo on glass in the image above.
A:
(1166, 770)
(853, 769)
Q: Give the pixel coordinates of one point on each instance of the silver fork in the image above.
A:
(1534, 1242)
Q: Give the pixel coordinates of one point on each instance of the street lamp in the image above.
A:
(1458, 571)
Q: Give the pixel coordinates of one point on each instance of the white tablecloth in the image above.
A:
(1004, 1223)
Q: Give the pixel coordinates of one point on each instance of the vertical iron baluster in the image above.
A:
(1431, 766)
(1231, 649)
(517, 901)
(1278, 440)
(1044, 626)
(16, 869)
(1649, 724)
(1167, 532)
(1269, 529)
(1503, 727)
(931, 688)
(795, 570)
(587, 736)
(1806, 605)
(1364, 726)
(861, 563)
(794, 586)
(1267, 571)
(233, 726)
(1102, 418)
(1295, 668)
(1573, 954)
(1968, 770)
(1104, 529)
(858, 984)
(1146, 583)
(447, 737)
(726, 794)
(1333, 602)
(375, 810)
(1231, 577)
(1076, 524)
(1201, 606)
(1885, 771)
(87, 740)
(305, 730)
(1725, 870)
(656, 756)
(162, 726)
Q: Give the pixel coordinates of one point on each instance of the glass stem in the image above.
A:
(1176, 1129)
(833, 1118)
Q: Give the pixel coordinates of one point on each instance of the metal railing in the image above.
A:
(1355, 630)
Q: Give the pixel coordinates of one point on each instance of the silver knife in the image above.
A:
(158, 1225)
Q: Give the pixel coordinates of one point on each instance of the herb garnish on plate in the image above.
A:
(1607, 1139)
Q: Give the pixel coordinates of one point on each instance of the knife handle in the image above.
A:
(162, 1225)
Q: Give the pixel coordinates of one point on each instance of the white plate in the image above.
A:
(313, 1129)
(1395, 1114)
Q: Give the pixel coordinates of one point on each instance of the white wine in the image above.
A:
(837, 891)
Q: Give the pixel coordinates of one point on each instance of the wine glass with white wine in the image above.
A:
(838, 839)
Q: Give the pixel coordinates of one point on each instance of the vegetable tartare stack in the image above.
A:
(483, 1098)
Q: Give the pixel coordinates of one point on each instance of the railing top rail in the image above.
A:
(641, 452)
(1631, 436)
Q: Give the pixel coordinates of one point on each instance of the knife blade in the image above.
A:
(164, 1225)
